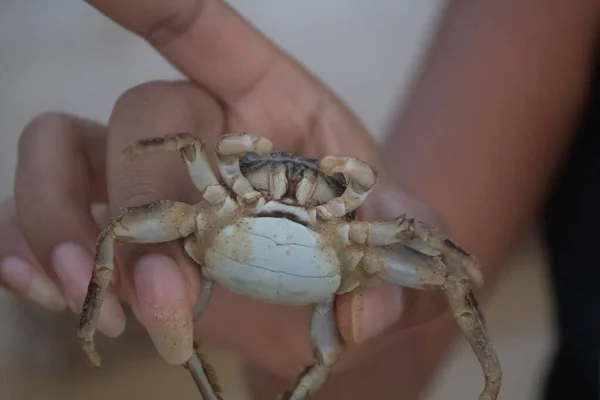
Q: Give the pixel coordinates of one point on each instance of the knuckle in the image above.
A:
(148, 109)
(174, 22)
(143, 93)
(43, 130)
(141, 112)
(139, 186)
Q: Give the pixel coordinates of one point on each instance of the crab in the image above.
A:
(282, 229)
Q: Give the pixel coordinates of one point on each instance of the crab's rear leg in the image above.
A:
(420, 236)
(157, 222)
(408, 267)
(362, 179)
(204, 375)
(326, 338)
(229, 150)
(411, 254)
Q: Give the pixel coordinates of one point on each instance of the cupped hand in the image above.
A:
(237, 81)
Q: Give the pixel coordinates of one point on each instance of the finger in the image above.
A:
(60, 172)
(161, 276)
(19, 271)
(269, 90)
(206, 39)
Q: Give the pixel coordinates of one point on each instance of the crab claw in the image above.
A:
(358, 171)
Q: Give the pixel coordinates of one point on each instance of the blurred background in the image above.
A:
(62, 55)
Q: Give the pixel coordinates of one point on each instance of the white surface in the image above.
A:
(254, 257)
(63, 55)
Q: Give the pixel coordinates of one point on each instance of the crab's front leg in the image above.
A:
(411, 254)
(158, 222)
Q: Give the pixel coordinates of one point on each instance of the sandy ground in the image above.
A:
(62, 55)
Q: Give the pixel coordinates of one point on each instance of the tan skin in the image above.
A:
(484, 132)
(489, 121)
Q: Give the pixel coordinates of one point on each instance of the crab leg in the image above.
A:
(408, 267)
(229, 150)
(362, 180)
(202, 373)
(158, 222)
(418, 257)
(420, 236)
(325, 336)
(204, 376)
(193, 153)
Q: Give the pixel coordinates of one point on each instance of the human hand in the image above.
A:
(238, 81)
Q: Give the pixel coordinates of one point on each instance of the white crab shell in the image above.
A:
(275, 260)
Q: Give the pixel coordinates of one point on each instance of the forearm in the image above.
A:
(492, 115)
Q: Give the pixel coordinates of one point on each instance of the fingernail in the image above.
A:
(374, 310)
(73, 265)
(31, 284)
(165, 307)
